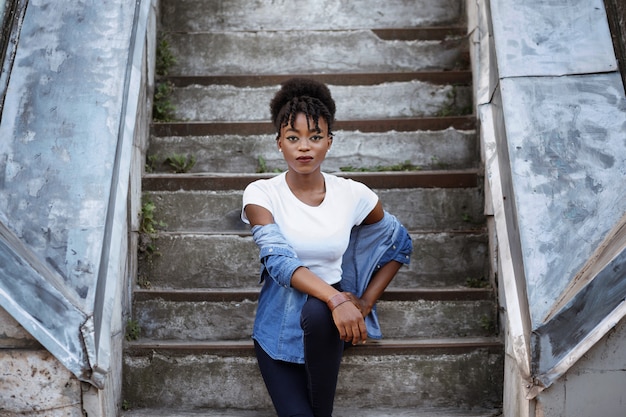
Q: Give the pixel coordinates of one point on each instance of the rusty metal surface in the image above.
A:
(258, 128)
(455, 77)
(376, 180)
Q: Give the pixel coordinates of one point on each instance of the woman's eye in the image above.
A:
(292, 138)
(316, 138)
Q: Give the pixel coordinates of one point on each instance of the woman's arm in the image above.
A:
(375, 215)
(376, 287)
(347, 317)
(383, 276)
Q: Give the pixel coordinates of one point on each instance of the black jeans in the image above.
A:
(306, 390)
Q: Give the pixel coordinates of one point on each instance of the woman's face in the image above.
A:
(303, 147)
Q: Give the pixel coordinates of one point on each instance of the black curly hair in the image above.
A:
(302, 95)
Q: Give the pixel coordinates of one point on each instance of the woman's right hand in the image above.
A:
(350, 323)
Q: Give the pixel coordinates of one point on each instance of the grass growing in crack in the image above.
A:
(451, 108)
(404, 166)
(477, 282)
(487, 323)
(262, 167)
(181, 163)
(467, 218)
(164, 59)
(132, 330)
(147, 247)
(149, 224)
(162, 107)
(151, 162)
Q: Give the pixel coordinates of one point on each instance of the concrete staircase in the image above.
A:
(398, 72)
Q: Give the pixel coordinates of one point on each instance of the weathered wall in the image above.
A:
(616, 11)
(33, 381)
(594, 386)
(553, 113)
(74, 128)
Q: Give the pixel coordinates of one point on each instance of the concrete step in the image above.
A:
(419, 209)
(338, 412)
(443, 259)
(336, 51)
(404, 124)
(399, 73)
(428, 150)
(461, 374)
(385, 100)
(179, 15)
(451, 77)
(229, 314)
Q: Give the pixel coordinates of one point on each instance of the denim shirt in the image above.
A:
(371, 247)
(277, 323)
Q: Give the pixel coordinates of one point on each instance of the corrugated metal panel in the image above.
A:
(67, 128)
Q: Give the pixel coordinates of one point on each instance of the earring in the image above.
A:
(280, 150)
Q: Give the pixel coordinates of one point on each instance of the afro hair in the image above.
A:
(302, 95)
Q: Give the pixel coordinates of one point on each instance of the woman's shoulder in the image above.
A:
(344, 183)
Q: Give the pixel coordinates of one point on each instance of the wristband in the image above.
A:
(336, 300)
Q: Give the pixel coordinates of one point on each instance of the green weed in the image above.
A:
(162, 108)
(132, 330)
(477, 282)
(262, 167)
(149, 223)
(487, 323)
(181, 163)
(151, 162)
(404, 166)
(164, 57)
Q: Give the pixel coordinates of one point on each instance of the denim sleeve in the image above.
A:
(278, 259)
(401, 249)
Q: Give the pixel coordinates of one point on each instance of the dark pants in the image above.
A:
(306, 390)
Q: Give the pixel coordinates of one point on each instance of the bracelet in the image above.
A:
(336, 300)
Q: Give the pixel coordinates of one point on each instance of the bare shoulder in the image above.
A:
(258, 215)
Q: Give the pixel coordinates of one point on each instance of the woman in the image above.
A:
(303, 221)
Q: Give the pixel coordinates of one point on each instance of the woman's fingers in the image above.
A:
(350, 323)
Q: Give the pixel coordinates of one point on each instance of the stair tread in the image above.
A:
(238, 294)
(467, 178)
(425, 33)
(226, 57)
(338, 412)
(237, 346)
(354, 78)
(403, 124)
(177, 15)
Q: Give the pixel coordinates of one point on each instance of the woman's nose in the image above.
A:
(304, 143)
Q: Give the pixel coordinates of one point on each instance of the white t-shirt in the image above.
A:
(320, 234)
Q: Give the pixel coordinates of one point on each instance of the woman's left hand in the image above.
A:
(361, 304)
(349, 322)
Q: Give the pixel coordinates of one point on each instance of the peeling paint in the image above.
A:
(62, 122)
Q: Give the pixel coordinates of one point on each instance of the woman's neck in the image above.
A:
(310, 188)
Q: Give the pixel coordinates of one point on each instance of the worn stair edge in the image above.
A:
(338, 411)
(426, 33)
(376, 180)
(408, 124)
(391, 294)
(431, 33)
(455, 77)
(456, 345)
